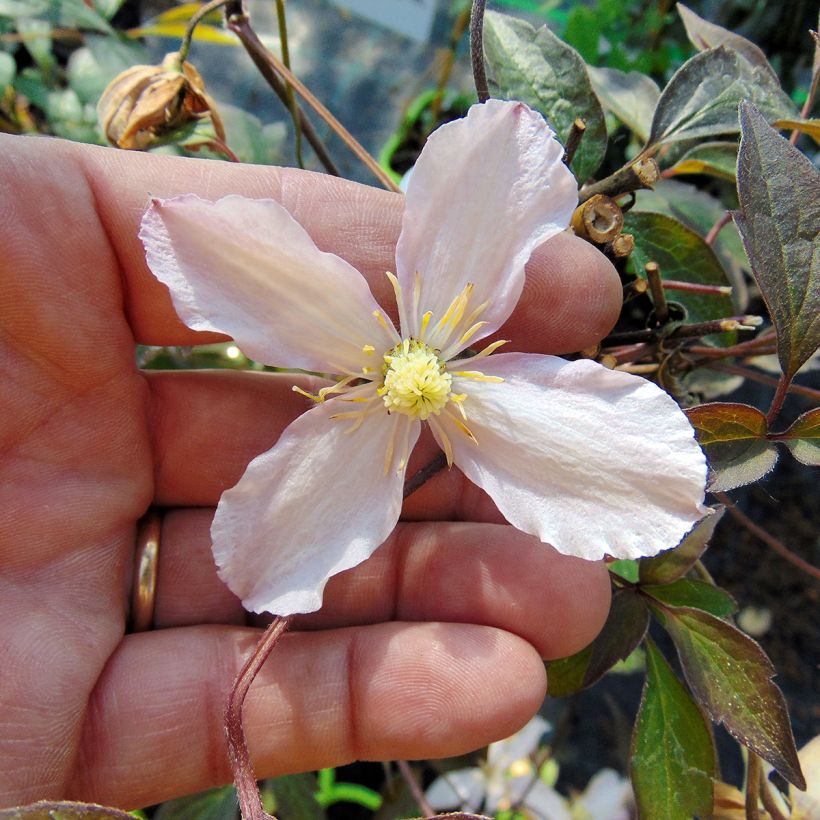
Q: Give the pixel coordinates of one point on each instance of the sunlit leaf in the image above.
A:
(731, 677)
(733, 437)
(695, 594)
(674, 564)
(703, 35)
(779, 221)
(626, 568)
(803, 438)
(22, 8)
(673, 755)
(631, 97)
(717, 159)
(700, 211)
(539, 69)
(682, 255)
(63, 810)
(8, 68)
(702, 97)
(216, 804)
(203, 33)
(810, 127)
(623, 631)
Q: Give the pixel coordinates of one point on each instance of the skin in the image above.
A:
(431, 648)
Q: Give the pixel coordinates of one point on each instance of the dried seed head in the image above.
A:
(145, 103)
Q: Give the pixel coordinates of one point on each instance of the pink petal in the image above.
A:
(485, 192)
(246, 268)
(316, 504)
(590, 460)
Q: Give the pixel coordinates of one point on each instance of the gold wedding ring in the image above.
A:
(146, 564)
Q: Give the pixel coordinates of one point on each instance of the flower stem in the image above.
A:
(413, 785)
(292, 104)
(250, 802)
(768, 801)
(753, 787)
(779, 397)
(767, 538)
(477, 50)
(762, 378)
(196, 19)
(424, 474)
(239, 24)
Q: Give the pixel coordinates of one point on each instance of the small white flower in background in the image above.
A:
(589, 460)
(509, 780)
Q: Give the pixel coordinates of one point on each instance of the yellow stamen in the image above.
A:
(397, 290)
(368, 350)
(470, 333)
(476, 376)
(425, 320)
(491, 348)
(443, 439)
(416, 382)
(457, 307)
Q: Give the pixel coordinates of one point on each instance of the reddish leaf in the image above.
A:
(803, 438)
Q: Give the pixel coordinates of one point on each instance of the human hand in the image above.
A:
(430, 648)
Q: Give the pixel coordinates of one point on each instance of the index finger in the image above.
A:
(571, 298)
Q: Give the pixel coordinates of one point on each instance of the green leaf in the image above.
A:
(682, 255)
(700, 211)
(695, 594)
(623, 631)
(630, 97)
(803, 438)
(37, 41)
(583, 32)
(702, 97)
(673, 755)
(539, 69)
(63, 810)
(731, 677)
(717, 159)
(626, 568)
(8, 68)
(733, 437)
(704, 35)
(674, 564)
(294, 796)
(779, 221)
(215, 804)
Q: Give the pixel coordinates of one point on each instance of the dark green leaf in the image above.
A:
(700, 211)
(630, 97)
(731, 677)
(216, 804)
(682, 255)
(733, 437)
(703, 35)
(294, 797)
(673, 755)
(803, 438)
(702, 97)
(583, 32)
(674, 564)
(539, 69)
(63, 810)
(696, 594)
(717, 159)
(779, 220)
(622, 632)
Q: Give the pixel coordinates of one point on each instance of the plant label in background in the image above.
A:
(412, 18)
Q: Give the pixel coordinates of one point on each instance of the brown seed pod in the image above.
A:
(145, 103)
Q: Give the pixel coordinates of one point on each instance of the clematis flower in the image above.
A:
(589, 460)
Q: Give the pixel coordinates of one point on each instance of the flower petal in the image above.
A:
(590, 460)
(316, 504)
(486, 191)
(246, 268)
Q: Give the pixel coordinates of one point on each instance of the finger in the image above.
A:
(154, 726)
(487, 574)
(571, 299)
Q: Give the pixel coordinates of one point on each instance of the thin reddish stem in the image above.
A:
(413, 785)
(250, 803)
(780, 548)
(717, 228)
(762, 378)
(780, 393)
(694, 287)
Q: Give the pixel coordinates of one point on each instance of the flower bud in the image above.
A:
(145, 103)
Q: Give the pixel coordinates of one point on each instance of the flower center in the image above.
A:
(416, 382)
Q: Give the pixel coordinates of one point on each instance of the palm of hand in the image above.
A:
(88, 442)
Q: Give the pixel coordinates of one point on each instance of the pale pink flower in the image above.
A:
(590, 460)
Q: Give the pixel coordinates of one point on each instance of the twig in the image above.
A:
(424, 474)
(413, 785)
(576, 133)
(653, 276)
(779, 397)
(630, 353)
(239, 24)
(762, 378)
(768, 801)
(694, 287)
(250, 803)
(640, 173)
(292, 104)
(763, 535)
(753, 787)
(710, 237)
(686, 331)
(477, 50)
(815, 81)
(748, 348)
